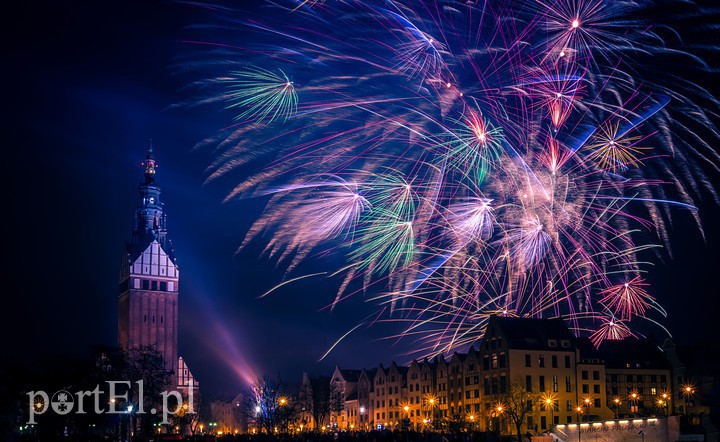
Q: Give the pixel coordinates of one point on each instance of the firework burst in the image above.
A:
(260, 94)
(465, 159)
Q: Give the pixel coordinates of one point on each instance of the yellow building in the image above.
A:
(538, 354)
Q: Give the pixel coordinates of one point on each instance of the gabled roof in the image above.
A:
(530, 333)
(350, 375)
(370, 375)
(138, 247)
(459, 357)
(402, 370)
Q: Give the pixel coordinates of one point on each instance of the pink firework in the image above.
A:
(610, 329)
(628, 299)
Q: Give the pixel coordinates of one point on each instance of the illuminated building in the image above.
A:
(637, 373)
(229, 415)
(540, 355)
(346, 382)
(149, 282)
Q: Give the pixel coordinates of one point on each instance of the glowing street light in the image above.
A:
(499, 409)
(665, 402)
(406, 409)
(549, 403)
(586, 404)
(688, 391)
(431, 403)
(634, 399)
(617, 406)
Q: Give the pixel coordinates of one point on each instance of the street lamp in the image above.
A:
(362, 412)
(579, 412)
(499, 409)
(586, 404)
(661, 403)
(633, 400)
(688, 391)
(550, 403)
(617, 406)
(130, 430)
(431, 402)
(666, 398)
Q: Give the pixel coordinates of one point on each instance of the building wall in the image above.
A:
(647, 383)
(228, 416)
(592, 392)
(630, 430)
(365, 403)
(148, 306)
(428, 394)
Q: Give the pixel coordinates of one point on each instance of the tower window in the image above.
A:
(163, 286)
(153, 319)
(154, 285)
(161, 319)
(145, 284)
(145, 318)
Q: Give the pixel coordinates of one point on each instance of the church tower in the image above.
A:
(149, 276)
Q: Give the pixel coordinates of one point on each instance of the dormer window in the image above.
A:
(565, 343)
(552, 343)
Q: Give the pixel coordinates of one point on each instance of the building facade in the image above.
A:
(570, 383)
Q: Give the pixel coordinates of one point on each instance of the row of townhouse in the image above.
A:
(572, 380)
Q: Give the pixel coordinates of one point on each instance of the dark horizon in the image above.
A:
(89, 86)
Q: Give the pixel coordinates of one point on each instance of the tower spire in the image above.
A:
(149, 216)
(150, 165)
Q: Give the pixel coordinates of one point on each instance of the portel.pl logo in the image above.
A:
(63, 402)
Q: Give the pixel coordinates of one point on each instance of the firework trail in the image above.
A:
(462, 159)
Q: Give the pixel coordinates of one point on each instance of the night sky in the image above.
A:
(86, 86)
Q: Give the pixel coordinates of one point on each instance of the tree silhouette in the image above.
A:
(267, 405)
(320, 397)
(518, 403)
